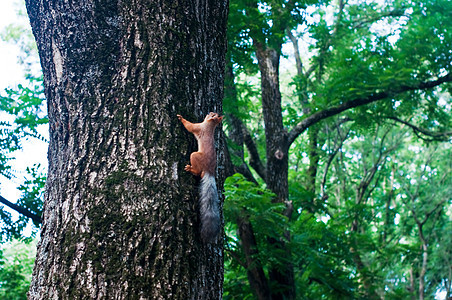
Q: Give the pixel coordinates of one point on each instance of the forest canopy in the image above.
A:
(349, 125)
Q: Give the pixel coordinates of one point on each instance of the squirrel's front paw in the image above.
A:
(187, 168)
(179, 117)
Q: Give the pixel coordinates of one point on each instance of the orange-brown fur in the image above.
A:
(205, 159)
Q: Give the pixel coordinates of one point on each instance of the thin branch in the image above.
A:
(339, 19)
(373, 97)
(235, 256)
(302, 92)
(436, 136)
(414, 195)
(329, 41)
(21, 210)
(298, 62)
(255, 161)
(437, 215)
(428, 214)
(393, 13)
(230, 168)
(333, 155)
(235, 131)
(380, 161)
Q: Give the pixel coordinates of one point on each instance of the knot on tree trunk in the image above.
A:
(279, 154)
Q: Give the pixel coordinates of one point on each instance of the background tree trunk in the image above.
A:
(277, 153)
(120, 218)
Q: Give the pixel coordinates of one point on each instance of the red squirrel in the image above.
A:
(203, 163)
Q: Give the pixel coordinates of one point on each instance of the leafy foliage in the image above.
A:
(24, 107)
(22, 111)
(31, 199)
(369, 187)
(16, 261)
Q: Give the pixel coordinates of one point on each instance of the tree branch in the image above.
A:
(230, 168)
(256, 275)
(373, 97)
(333, 155)
(435, 136)
(298, 62)
(328, 43)
(393, 13)
(236, 257)
(21, 210)
(235, 131)
(302, 91)
(428, 214)
(255, 161)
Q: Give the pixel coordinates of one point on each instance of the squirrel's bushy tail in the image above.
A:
(209, 208)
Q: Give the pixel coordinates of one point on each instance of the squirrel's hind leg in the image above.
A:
(196, 163)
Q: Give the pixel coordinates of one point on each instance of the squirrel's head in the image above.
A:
(213, 117)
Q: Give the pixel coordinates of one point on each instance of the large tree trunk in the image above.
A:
(121, 216)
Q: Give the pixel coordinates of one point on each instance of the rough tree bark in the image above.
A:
(120, 217)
